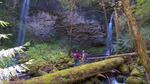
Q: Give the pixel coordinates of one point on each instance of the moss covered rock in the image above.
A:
(131, 67)
(136, 72)
(34, 68)
(124, 69)
(135, 80)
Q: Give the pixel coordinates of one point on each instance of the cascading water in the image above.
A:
(110, 35)
(22, 27)
(109, 40)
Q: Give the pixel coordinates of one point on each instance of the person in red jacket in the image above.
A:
(77, 58)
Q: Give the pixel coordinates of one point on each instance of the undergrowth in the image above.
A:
(44, 52)
(126, 43)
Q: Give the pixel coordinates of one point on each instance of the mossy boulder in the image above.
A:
(34, 68)
(135, 80)
(124, 69)
(131, 67)
(136, 72)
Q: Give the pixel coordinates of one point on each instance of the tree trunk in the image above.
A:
(139, 43)
(106, 22)
(117, 24)
(76, 74)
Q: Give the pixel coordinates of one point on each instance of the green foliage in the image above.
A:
(142, 8)
(51, 53)
(12, 71)
(6, 62)
(145, 31)
(125, 43)
(95, 50)
(5, 36)
(3, 23)
(7, 56)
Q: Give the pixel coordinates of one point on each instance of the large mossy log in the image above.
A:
(73, 75)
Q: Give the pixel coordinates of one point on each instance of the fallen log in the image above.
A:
(73, 75)
(113, 56)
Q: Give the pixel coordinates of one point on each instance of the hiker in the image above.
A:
(83, 60)
(77, 58)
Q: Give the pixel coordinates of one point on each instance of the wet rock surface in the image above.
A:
(45, 26)
(41, 25)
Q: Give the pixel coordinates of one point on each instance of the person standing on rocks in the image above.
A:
(77, 58)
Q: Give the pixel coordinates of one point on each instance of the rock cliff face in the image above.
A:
(85, 31)
(41, 25)
(44, 27)
(83, 26)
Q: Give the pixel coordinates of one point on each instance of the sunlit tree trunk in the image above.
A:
(139, 43)
(117, 24)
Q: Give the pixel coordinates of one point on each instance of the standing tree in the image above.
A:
(139, 43)
(117, 24)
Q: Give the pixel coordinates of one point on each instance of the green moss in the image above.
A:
(124, 69)
(136, 72)
(34, 68)
(135, 80)
(132, 66)
(77, 73)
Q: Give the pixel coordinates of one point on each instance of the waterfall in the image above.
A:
(22, 25)
(109, 37)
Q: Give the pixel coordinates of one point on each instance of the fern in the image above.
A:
(5, 36)
(9, 72)
(11, 52)
(3, 23)
(13, 71)
(125, 43)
